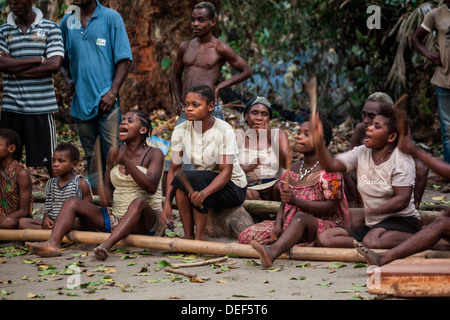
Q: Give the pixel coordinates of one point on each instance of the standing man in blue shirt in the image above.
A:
(97, 60)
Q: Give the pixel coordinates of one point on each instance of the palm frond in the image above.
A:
(405, 27)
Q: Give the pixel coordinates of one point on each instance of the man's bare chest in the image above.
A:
(206, 58)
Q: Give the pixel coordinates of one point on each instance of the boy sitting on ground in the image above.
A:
(66, 184)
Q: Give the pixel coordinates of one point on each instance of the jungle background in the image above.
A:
(286, 43)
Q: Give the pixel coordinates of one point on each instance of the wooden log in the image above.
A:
(262, 208)
(411, 278)
(228, 222)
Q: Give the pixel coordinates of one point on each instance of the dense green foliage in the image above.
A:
(288, 42)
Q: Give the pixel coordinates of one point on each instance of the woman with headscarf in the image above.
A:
(263, 151)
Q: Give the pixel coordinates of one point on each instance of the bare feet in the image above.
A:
(263, 256)
(101, 253)
(371, 257)
(43, 249)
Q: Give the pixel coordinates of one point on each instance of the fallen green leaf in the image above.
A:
(327, 284)
(163, 263)
(336, 266)
(6, 293)
(299, 278)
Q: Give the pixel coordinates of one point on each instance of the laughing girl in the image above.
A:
(131, 197)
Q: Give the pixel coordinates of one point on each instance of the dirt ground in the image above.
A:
(139, 274)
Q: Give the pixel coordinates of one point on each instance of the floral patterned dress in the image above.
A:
(316, 186)
(9, 190)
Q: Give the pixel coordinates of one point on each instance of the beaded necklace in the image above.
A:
(307, 171)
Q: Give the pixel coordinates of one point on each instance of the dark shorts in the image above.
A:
(229, 196)
(37, 133)
(402, 224)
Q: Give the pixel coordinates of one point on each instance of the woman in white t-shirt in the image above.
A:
(385, 178)
(218, 181)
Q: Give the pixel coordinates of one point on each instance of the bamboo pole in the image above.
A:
(185, 245)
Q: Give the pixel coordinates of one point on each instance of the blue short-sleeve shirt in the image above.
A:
(93, 52)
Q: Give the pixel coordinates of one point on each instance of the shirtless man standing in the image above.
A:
(201, 60)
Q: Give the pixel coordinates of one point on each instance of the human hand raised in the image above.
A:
(405, 143)
(316, 131)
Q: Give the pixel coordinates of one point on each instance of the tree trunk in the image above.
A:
(228, 222)
(155, 29)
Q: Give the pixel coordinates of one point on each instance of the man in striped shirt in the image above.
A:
(31, 50)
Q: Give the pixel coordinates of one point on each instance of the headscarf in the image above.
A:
(259, 100)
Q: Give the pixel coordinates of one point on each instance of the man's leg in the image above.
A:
(88, 132)
(422, 240)
(39, 147)
(108, 126)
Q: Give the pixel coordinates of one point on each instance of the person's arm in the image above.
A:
(284, 149)
(45, 69)
(277, 228)
(86, 190)
(358, 134)
(109, 99)
(317, 208)
(326, 160)
(236, 62)
(417, 40)
(13, 66)
(400, 200)
(406, 145)
(447, 212)
(251, 167)
(177, 77)
(175, 167)
(106, 190)
(442, 168)
(226, 168)
(24, 183)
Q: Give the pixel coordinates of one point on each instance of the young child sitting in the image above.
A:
(15, 182)
(130, 198)
(385, 178)
(210, 145)
(313, 201)
(65, 185)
